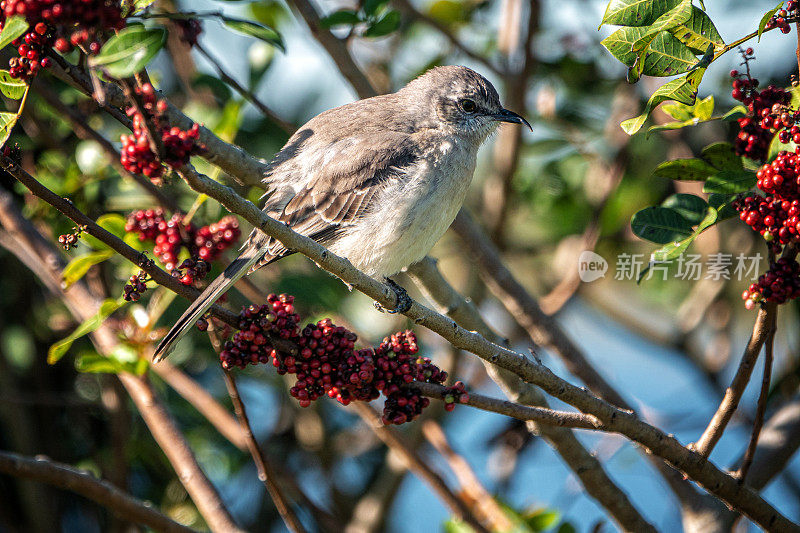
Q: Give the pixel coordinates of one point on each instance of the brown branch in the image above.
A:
(265, 472)
(115, 243)
(394, 440)
(761, 330)
(83, 305)
(542, 329)
(762, 402)
(584, 464)
(246, 93)
(484, 505)
(526, 413)
(81, 482)
(84, 131)
(336, 48)
(205, 404)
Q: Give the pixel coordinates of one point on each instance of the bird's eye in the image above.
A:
(468, 105)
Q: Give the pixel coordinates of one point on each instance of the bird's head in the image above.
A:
(462, 101)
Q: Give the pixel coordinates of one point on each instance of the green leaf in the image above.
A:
(762, 24)
(682, 90)
(667, 56)
(78, 267)
(123, 359)
(338, 18)
(689, 206)
(660, 225)
(57, 350)
(672, 250)
(685, 170)
(636, 12)
(371, 7)
(129, 51)
(386, 25)
(722, 203)
(454, 525)
(11, 87)
(672, 18)
(542, 519)
(676, 110)
(7, 122)
(730, 182)
(722, 156)
(254, 29)
(566, 527)
(13, 28)
(113, 223)
(736, 112)
(698, 32)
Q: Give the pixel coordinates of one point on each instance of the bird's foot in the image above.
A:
(404, 301)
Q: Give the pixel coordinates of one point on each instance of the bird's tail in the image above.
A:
(215, 289)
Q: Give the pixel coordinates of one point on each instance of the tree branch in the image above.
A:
(81, 482)
(765, 322)
(336, 48)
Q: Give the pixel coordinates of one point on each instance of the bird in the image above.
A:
(377, 181)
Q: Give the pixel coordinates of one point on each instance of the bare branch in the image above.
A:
(82, 482)
(526, 413)
(336, 48)
(765, 322)
(394, 440)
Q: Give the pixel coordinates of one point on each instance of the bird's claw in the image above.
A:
(404, 301)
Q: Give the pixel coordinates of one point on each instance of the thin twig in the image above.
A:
(484, 505)
(265, 473)
(246, 93)
(762, 402)
(716, 427)
(395, 441)
(514, 410)
(153, 135)
(82, 482)
(336, 48)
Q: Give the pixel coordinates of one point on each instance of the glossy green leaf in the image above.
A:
(722, 156)
(636, 12)
(542, 520)
(386, 25)
(666, 56)
(78, 267)
(736, 112)
(254, 29)
(339, 18)
(114, 223)
(685, 170)
(129, 51)
(372, 7)
(730, 182)
(762, 24)
(123, 359)
(57, 350)
(664, 23)
(660, 225)
(689, 206)
(682, 90)
(12, 87)
(7, 122)
(698, 32)
(13, 28)
(672, 250)
(722, 203)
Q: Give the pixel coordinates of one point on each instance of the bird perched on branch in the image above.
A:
(377, 181)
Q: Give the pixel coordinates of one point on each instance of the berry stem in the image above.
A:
(153, 137)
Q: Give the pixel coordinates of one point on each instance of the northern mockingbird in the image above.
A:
(377, 181)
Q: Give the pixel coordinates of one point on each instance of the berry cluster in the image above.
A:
(327, 363)
(173, 235)
(59, 24)
(68, 241)
(779, 21)
(767, 114)
(137, 155)
(136, 285)
(779, 284)
(455, 394)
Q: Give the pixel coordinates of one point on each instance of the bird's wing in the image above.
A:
(333, 182)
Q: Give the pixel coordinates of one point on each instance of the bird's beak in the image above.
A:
(509, 116)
